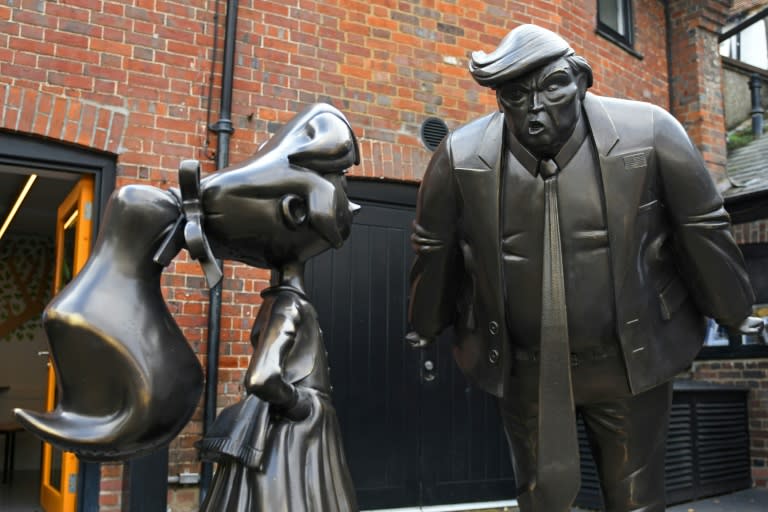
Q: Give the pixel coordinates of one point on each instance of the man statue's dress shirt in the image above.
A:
(584, 238)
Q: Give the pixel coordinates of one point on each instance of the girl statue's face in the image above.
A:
(303, 215)
(345, 209)
(289, 201)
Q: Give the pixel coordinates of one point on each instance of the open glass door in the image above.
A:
(58, 481)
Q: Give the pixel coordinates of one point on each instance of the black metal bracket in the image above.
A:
(222, 126)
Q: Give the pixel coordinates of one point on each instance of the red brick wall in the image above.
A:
(751, 232)
(697, 99)
(752, 374)
(129, 77)
(111, 497)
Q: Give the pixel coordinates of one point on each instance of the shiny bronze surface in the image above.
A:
(129, 381)
(647, 254)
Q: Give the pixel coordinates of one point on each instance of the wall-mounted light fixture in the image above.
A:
(17, 204)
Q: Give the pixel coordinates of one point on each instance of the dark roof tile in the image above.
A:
(748, 168)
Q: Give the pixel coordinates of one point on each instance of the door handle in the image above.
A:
(429, 370)
(45, 353)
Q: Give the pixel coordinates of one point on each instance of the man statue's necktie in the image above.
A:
(557, 475)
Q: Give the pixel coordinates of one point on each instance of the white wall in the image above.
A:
(21, 367)
(25, 372)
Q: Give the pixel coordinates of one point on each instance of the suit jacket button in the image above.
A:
(493, 356)
(493, 327)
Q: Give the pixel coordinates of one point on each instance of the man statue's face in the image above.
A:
(542, 108)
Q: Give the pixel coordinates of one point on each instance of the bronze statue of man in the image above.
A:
(576, 244)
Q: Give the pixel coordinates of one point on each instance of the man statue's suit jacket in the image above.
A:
(673, 258)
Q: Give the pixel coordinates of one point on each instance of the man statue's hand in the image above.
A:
(415, 340)
(751, 325)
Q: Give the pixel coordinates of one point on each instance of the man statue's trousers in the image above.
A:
(627, 433)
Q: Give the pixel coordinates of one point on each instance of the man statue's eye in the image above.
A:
(513, 95)
(553, 87)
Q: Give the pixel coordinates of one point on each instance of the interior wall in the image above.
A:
(26, 269)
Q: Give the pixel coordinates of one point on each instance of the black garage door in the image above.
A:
(412, 436)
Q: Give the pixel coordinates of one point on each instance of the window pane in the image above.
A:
(728, 48)
(717, 335)
(613, 14)
(54, 477)
(760, 310)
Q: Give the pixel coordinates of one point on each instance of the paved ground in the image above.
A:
(751, 500)
(23, 494)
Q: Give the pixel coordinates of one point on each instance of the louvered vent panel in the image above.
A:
(678, 464)
(589, 495)
(723, 442)
(433, 131)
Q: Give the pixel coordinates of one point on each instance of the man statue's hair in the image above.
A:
(524, 49)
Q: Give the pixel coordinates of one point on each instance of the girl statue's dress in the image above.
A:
(299, 464)
(280, 449)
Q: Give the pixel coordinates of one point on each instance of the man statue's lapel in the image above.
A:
(623, 171)
(478, 176)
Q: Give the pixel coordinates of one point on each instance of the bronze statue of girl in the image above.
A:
(128, 380)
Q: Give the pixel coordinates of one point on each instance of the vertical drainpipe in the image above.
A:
(670, 67)
(755, 84)
(223, 128)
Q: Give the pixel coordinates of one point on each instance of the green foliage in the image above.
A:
(739, 139)
(27, 260)
(741, 136)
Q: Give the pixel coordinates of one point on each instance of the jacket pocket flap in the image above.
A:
(636, 159)
(672, 297)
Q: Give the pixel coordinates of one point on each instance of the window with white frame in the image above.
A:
(749, 46)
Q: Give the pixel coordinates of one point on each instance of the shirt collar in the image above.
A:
(566, 153)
